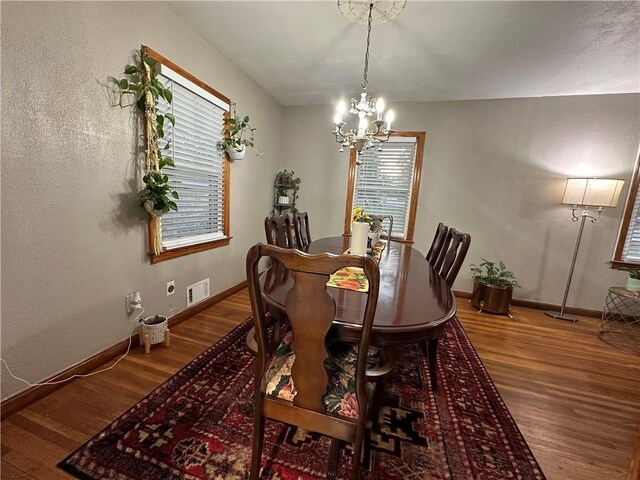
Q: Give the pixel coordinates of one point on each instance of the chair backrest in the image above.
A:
(381, 218)
(301, 227)
(454, 250)
(311, 311)
(277, 229)
(436, 245)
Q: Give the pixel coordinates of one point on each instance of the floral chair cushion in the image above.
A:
(340, 397)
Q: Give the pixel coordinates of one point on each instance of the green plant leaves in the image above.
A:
(124, 84)
(149, 61)
(171, 118)
(130, 69)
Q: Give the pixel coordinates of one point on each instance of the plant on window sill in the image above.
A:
(156, 196)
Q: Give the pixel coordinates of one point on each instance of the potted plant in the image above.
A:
(238, 135)
(144, 90)
(154, 329)
(287, 186)
(633, 282)
(493, 286)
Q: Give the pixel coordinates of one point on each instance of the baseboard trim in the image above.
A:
(582, 312)
(27, 397)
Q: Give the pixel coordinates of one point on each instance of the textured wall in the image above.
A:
(73, 239)
(496, 169)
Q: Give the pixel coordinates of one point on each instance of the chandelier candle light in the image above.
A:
(364, 137)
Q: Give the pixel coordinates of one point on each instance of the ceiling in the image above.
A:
(306, 53)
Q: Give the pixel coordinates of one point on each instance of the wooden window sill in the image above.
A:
(182, 251)
(621, 264)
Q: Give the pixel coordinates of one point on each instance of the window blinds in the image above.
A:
(384, 180)
(198, 174)
(631, 250)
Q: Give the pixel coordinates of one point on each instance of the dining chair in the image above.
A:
(278, 231)
(301, 227)
(311, 395)
(452, 254)
(437, 243)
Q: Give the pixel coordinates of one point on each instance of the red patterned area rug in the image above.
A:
(198, 425)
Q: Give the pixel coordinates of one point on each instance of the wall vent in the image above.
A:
(197, 292)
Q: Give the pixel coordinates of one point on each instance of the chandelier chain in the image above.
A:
(365, 82)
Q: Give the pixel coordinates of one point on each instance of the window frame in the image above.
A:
(617, 262)
(198, 247)
(415, 186)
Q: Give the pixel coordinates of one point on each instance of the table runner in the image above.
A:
(353, 278)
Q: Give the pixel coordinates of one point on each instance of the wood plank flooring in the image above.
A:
(575, 398)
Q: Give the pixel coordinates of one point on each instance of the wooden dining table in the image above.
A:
(414, 302)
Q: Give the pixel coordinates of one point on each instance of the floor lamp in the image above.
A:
(586, 193)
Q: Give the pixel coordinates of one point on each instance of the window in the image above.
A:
(627, 253)
(201, 172)
(387, 182)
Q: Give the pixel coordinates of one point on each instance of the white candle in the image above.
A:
(389, 118)
(340, 110)
(380, 108)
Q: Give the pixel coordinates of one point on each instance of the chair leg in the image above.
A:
(334, 458)
(258, 438)
(424, 346)
(432, 350)
(357, 452)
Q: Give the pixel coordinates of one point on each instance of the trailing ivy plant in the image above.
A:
(146, 90)
(238, 134)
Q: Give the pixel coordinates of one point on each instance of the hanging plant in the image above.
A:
(238, 135)
(142, 86)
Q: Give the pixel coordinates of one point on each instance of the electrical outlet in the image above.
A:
(171, 288)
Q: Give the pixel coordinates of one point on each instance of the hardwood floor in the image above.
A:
(575, 398)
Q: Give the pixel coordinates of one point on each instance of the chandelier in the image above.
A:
(367, 135)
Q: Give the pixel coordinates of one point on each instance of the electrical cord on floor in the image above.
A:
(79, 375)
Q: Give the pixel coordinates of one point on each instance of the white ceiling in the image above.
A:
(305, 52)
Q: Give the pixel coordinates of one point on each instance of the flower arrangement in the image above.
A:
(360, 216)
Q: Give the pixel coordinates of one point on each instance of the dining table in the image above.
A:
(414, 302)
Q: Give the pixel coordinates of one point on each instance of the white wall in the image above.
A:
(495, 169)
(73, 239)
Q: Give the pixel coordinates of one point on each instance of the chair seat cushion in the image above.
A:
(340, 397)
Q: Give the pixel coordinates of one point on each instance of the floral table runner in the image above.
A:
(353, 278)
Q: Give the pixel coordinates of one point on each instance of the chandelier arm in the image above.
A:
(365, 82)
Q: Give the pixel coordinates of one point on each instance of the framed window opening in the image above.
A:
(627, 252)
(385, 180)
(201, 172)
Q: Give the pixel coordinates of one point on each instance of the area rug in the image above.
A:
(198, 425)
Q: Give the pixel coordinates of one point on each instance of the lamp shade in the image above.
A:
(592, 192)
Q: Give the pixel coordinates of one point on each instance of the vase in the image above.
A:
(633, 284)
(375, 238)
(235, 154)
(359, 236)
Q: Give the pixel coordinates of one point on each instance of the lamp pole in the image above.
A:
(582, 217)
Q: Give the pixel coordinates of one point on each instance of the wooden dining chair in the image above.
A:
(301, 227)
(452, 255)
(437, 243)
(278, 230)
(310, 394)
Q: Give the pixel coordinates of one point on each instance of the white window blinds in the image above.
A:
(198, 175)
(384, 180)
(631, 250)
